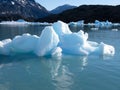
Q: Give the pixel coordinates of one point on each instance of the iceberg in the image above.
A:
(14, 23)
(106, 24)
(55, 40)
(5, 46)
(22, 22)
(24, 44)
(77, 24)
(47, 42)
(61, 28)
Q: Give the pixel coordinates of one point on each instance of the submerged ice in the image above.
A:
(55, 40)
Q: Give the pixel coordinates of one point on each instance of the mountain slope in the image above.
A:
(25, 9)
(62, 8)
(89, 13)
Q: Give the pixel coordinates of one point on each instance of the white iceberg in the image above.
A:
(15, 23)
(47, 42)
(24, 44)
(55, 40)
(77, 24)
(5, 46)
(22, 22)
(61, 28)
(105, 24)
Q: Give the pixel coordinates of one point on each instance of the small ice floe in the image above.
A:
(77, 24)
(103, 24)
(115, 29)
(14, 23)
(94, 29)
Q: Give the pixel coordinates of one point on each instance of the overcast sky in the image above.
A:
(51, 4)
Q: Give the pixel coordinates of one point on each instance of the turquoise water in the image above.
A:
(30, 72)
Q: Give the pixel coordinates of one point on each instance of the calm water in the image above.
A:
(29, 72)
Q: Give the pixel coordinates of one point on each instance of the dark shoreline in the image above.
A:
(88, 13)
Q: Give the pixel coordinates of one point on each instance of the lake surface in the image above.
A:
(30, 72)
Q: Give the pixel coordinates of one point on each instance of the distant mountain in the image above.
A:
(25, 9)
(62, 8)
(89, 13)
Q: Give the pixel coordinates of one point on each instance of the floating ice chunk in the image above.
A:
(74, 24)
(72, 40)
(15, 23)
(61, 28)
(115, 29)
(83, 35)
(80, 23)
(75, 43)
(5, 46)
(104, 49)
(47, 42)
(77, 24)
(20, 20)
(55, 40)
(94, 29)
(24, 44)
(107, 49)
(106, 24)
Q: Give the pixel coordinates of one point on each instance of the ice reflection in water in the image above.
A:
(84, 62)
(62, 75)
(57, 73)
